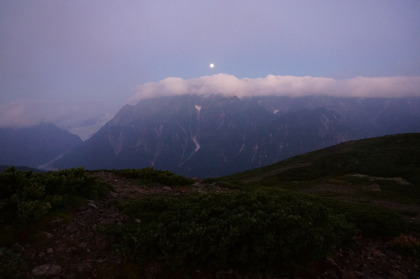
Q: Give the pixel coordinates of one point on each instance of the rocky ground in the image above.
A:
(366, 259)
(74, 246)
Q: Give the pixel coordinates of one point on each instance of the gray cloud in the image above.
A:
(230, 85)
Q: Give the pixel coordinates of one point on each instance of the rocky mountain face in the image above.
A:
(213, 136)
(34, 146)
(205, 136)
(367, 117)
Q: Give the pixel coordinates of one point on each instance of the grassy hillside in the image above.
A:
(383, 168)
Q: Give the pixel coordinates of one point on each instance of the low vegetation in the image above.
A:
(407, 244)
(10, 263)
(26, 198)
(247, 232)
(151, 176)
(250, 232)
(385, 168)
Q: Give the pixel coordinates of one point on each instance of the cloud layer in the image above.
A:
(294, 86)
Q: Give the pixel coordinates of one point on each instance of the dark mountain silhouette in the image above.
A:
(20, 168)
(34, 146)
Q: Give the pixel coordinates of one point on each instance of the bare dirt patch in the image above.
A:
(367, 258)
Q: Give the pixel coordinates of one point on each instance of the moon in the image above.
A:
(211, 65)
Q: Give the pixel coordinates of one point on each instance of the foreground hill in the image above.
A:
(215, 135)
(378, 170)
(389, 156)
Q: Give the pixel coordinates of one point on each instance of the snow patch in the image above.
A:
(197, 144)
(242, 148)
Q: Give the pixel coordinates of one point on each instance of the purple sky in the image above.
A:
(64, 61)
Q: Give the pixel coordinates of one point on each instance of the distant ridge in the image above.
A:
(21, 168)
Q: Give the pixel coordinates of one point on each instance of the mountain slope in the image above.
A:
(205, 136)
(215, 135)
(34, 146)
(367, 117)
(389, 156)
(376, 170)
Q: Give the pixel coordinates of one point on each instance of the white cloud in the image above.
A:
(230, 85)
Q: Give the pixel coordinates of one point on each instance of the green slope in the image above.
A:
(383, 168)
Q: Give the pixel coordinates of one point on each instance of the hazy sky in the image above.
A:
(66, 60)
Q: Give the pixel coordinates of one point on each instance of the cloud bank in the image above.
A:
(271, 85)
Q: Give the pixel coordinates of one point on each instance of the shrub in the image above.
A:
(407, 244)
(243, 231)
(150, 175)
(10, 263)
(32, 210)
(28, 196)
(371, 220)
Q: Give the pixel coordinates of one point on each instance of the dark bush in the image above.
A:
(241, 231)
(150, 175)
(28, 196)
(10, 263)
(371, 220)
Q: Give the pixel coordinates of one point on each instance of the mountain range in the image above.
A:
(208, 136)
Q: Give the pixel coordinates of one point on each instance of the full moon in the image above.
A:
(211, 65)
